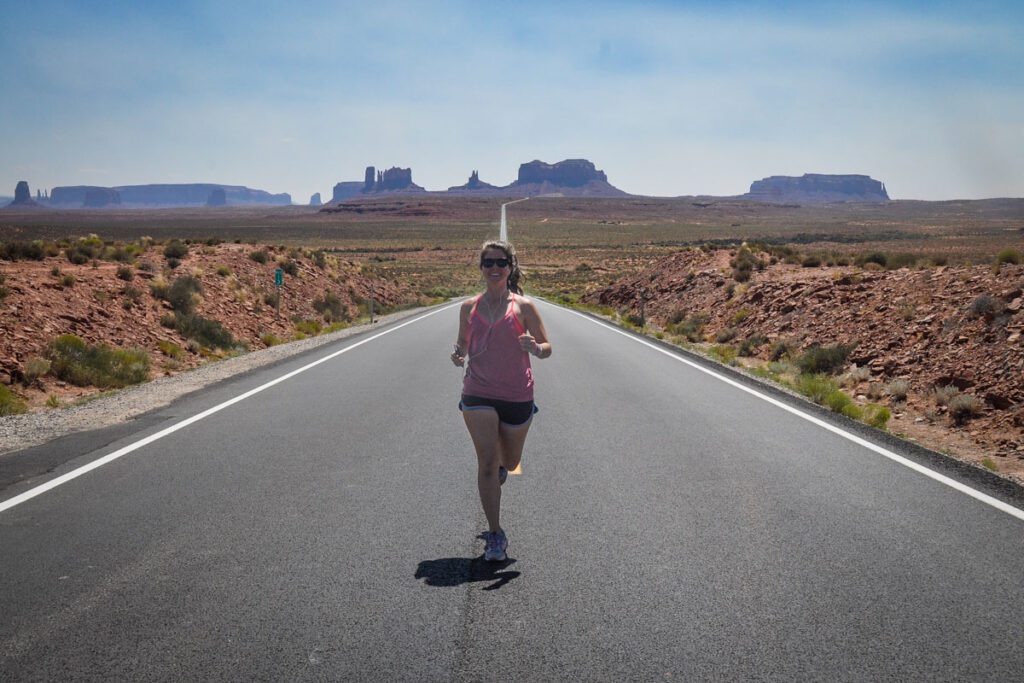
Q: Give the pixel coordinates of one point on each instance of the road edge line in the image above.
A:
(125, 450)
(917, 467)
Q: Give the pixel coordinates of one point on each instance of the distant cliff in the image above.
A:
(392, 180)
(815, 187)
(192, 194)
(570, 178)
(473, 185)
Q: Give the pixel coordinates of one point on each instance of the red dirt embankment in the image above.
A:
(935, 327)
(100, 308)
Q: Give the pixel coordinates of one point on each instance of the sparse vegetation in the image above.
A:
(331, 307)
(35, 368)
(82, 364)
(1008, 255)
(125, 273)
(206, 332)
(10, 404)
(897, 389)
(963, 407)
(175, 250)
(259, 256)
(824, 359)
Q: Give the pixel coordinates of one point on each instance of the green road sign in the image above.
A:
(278, 277)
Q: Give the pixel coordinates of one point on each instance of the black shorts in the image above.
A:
(513, 413)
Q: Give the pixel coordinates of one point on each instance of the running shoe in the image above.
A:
(497, 543)
(502, 475)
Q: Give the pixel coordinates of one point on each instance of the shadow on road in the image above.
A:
(455, 571)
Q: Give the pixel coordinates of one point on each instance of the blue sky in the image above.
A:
(668, 98)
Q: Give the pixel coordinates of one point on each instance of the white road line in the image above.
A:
(963, 488)
(74, 474)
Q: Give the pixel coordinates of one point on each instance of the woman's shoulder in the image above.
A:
(525, 302)
(468, 304)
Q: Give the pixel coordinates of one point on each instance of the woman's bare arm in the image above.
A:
(536, 339)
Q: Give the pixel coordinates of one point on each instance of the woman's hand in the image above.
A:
(528, 343)
(458, 358)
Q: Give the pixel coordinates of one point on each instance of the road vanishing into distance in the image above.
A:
(668, 525)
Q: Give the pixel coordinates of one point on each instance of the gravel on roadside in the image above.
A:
(18, 432)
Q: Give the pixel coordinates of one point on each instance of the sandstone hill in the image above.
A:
(948, 328)
(23, 196)
(47, 298)
(817, 187)
(167, 195)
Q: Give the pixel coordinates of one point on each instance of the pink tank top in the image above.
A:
(497, 367)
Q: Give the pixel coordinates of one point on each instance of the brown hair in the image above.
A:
(514, 274)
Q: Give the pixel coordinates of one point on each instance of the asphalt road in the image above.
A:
(667, 525)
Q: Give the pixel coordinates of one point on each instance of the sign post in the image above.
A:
(278, 281)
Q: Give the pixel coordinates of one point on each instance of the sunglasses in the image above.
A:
(491, 262)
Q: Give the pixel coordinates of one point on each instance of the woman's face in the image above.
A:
(494, 271)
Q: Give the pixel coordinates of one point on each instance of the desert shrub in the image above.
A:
(875, 390)
(749, 346)
(781, 349)
(204, 331)
(839, 402)
(726, 335)
(855, 376)
(876, 257)
(35, 368)
(52, 401)
(259, 256)
(173, 263)
(724, 353)
(180, 294)
(223, 271)
(3, 290)
(79, 254)
(876, 416)
(824, 359)
(984, 305)
(10, 404)
(290, 267)
(943, 395)
(583, 268)
(176, 250)
(132, 294)
(902, 260)
(213, 241)
(170, 349)
(740, 316)
(125, 273)
(963, 407)
(320, 259)
(810, 262)
(330, 307)
(82, 364)
(743, 264)
(898, 389)
(690, 327)
(67, 280)
(22, 251)
(271, 298)
(816, 387)
(308, 327)
(270, 339)
(939, 260)
(147, 267)
(1008, 255)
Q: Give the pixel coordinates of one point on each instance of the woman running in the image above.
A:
(498, 329)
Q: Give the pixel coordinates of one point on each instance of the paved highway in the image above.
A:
(667, 525)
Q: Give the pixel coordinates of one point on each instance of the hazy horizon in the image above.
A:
(668, 98)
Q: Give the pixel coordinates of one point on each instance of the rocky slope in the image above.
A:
(94, 303)
(955, 327)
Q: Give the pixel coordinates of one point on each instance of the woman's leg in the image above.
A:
(511, 439)
(483, 429)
